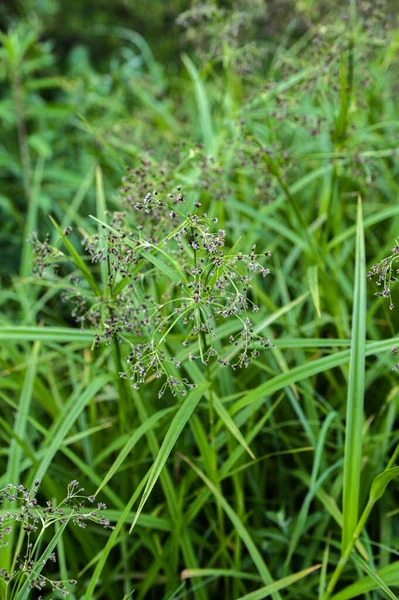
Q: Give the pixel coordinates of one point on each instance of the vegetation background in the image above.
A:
(281, 117)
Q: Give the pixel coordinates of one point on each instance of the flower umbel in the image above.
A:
(35, 520)
(176, 289)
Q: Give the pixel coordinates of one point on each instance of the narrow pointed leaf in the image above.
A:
(354, 411)
(268, 590)
(176, 427)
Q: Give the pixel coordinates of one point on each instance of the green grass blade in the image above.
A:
(341, 123)
(31, 218)
(15, 451)
(381, 585)
(332, 509)
(184, 538)
(112, 540)
(308, 370)
(74, 205)
(66, 420)
(229, 423)
(303, 513)
(381, 215)
(279, 585)
(380, 483)
(21, 419)
(313, 282)
(158, 108)
(98, 135)
(150, 423)
(231, 461)
(45, 334)
(323, 573)
(389, 575)
(187, 573)
(176, 427)
(354, 413)
(239, 526)
(196, 375)
(203, 105)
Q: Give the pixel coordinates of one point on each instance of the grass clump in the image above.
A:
(256, 147)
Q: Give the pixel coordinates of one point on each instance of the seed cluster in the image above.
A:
(41, 253)
(34, 521)
(207, 285)
(171, 277)
(385, 275)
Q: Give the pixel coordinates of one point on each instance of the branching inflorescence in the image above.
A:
(35, 520)
(170, 276)
(385, 275)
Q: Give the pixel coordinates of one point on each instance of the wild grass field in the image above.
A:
(199, 222)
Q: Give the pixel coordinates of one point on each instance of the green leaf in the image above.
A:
(203, 105)
(66, 420)
(230, 424)
(389, 575)
(380, 483)
(301, 520)
(174, 274)
(313, 282)
(379, 216)
(354, 412)
(112, 540)
(176, 427)
(150, 423)
(21, 418)
(15, 451)
(188, 573)
(97, 134)
(342, 120)
(45, 334)
(196, 375)
(279, 585)
(240, 528)
(375, 577)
